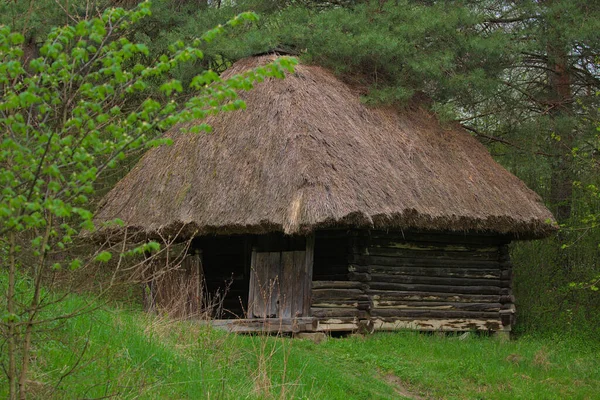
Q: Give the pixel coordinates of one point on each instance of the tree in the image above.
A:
(66, 117)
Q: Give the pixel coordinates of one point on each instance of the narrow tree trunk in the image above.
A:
(12, 324)
(33, 310)
(560, 101)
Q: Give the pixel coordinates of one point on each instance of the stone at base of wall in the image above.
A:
(316, 337)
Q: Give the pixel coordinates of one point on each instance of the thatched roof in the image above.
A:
(307, 154)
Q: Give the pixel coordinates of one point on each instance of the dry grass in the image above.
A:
(307, 154)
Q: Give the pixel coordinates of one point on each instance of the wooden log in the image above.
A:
(450, 237)
(391, 312)
(337, 313)
(458, 272)
(331, 261)
(330, 277)
(435, 280)
(339, 294)
(338, 285)
(359, 276)
(394, 243)
(439, 324)
(505, 265)
(326, 303)
(506, 274)
(338, 324)
(441, 254)
(321, 268)
(429, 296)
(508, 299)
(431, 305)
(507, 316)
(436, 288)
(358, 259)
(267, 325)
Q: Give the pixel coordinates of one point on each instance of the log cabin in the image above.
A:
(310, 211)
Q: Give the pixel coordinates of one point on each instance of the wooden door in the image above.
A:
(278, 284)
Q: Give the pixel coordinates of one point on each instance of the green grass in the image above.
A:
(133, 355)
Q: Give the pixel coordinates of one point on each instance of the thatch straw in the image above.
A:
(307, 154)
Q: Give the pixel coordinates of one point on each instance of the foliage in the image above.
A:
(67, 117)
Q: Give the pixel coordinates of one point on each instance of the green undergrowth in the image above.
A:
(123, 353)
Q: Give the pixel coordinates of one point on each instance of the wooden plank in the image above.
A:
(288, 282)
(299, 283)
(265, 287)
(273, 287)
(308, 274)
(253, 287)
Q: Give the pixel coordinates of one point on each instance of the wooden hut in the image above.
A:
(326, 215)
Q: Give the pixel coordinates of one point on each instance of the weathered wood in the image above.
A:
(435, 280)
(339, 294)
(448, 237)
(337, 312)
(403, 313)
(439, 254)
(358, 259)
(264, 291)
(329, 303)
(331, 277)
(436, 288)
(425, 246)
(278, 285)
(389, 295)
(306, 275)
(507, 299)
(338, 324)
(289, 287)
(457, 272)
(267, 325)
(431, 305)
(359, 277)
(338, 285)
(423, 324)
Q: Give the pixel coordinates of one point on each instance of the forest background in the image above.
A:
(521, 76)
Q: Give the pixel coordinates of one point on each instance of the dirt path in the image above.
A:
(400, 388)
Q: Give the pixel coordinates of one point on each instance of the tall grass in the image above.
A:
(126, 353)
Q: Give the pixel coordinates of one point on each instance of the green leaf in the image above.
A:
(104, 256)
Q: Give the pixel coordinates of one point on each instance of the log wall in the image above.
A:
(386, 281)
